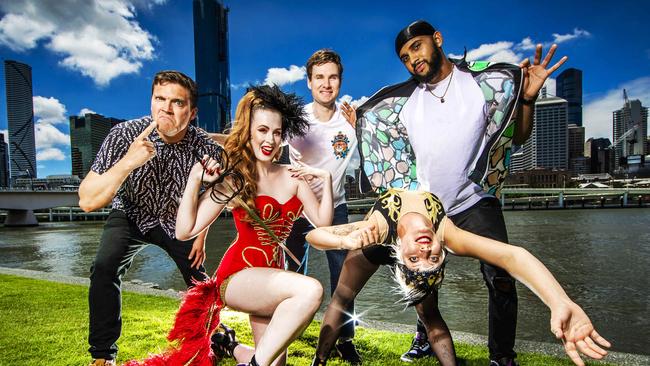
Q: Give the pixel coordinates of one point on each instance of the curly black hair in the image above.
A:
(290, 106)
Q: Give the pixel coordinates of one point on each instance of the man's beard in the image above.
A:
(434, 66)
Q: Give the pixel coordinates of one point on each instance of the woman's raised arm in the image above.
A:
(568, 321)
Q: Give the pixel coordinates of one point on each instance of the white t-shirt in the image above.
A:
(447, 138)
(329, 146)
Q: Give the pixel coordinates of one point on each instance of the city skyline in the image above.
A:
(108, 70)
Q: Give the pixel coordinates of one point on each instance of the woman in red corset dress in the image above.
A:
(251, 276)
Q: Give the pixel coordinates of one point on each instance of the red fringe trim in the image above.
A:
(195, 322)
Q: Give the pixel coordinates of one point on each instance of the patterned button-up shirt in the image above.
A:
(150, 195)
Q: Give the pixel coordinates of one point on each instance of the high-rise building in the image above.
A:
(598, 153)
(552, 134)
(547, 146)
(20, 118)
(577, 161)
(4, 162)
(523, 157)
(87, 133)
(211, 61)
(576, 140)
(630, 128)
(568, 86)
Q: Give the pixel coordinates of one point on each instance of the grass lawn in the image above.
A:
(46, 323)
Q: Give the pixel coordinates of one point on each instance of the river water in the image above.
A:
(600, 256)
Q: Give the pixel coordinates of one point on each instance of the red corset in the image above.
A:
(198, 316)
(253, 246)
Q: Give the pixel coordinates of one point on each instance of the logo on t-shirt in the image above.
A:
(340, 145)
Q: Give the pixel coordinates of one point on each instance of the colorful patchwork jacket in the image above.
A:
(387, 158)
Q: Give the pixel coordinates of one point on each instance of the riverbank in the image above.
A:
(69, 214)
(50, 318)
(595, 254)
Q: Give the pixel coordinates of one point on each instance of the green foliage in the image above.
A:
(47, 323)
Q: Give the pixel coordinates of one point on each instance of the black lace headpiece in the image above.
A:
(415, 285)
(290, 106)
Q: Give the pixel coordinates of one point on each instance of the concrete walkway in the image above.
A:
(617, 358)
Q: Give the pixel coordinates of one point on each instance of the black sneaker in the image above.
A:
(420, 348)
(347, 352)
(504, 361)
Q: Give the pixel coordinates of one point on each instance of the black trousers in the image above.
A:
(121, 241)
(486, 219)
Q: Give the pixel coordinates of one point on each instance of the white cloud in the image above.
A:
(345, 98)
(47, 113)
(526, 44)
(577, 33)
(353, 102)
(505, 56)
(360, 101)
(244, 85)
(507, 51)
(49, 110)
(488, 49)
(147, 4)
(551, 88)
(100, 39)
(47, 136)
(21, 33)
(283, 76)
(50, 154)
(597, 114)
(85, 111)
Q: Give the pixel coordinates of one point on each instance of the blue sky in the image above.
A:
(100, 55)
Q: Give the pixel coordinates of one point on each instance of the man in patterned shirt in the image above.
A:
(142, 168)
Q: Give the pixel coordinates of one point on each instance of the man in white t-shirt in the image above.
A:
(448, 130)
(448, 115)
(329, 144)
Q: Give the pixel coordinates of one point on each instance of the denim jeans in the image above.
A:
(300, 248)
(121, 240)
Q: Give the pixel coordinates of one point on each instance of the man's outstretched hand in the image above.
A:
(536, 74)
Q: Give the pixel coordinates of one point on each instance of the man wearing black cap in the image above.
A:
(458, 120)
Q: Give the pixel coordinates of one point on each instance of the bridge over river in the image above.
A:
(528, 198)
(21, 204)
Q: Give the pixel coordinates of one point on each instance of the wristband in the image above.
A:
(525, 101)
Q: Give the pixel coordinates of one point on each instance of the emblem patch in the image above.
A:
(340, 145)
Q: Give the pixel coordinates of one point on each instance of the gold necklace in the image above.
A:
(442, 98)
